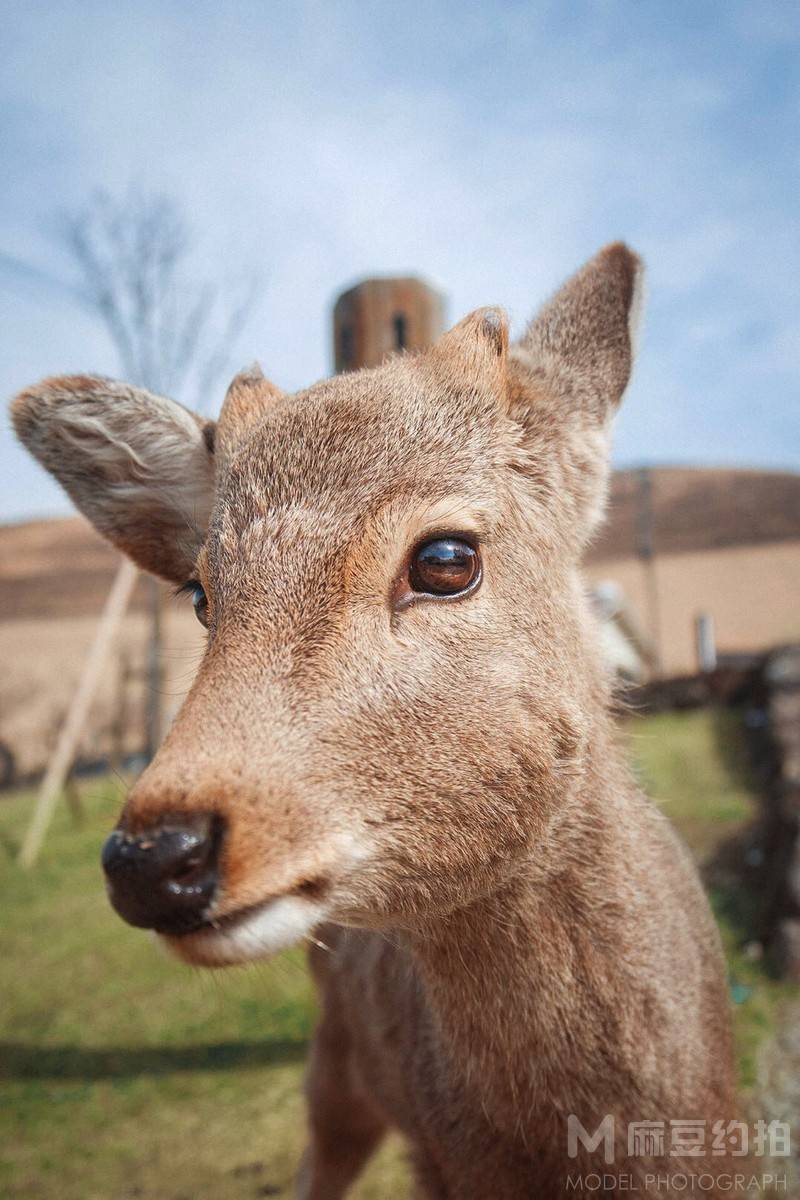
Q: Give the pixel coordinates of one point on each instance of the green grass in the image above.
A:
(695, 765)
(125, 1075)
(122, 1073)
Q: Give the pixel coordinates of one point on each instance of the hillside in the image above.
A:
(58, 568)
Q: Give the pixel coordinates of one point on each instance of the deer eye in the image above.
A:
(444, 566)
(195, 590)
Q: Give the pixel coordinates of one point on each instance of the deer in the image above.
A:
(399, 747)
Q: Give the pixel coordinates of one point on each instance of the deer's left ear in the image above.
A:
(567, 375)
(583, 340)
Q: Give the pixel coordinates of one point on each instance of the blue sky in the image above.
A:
(490, 148)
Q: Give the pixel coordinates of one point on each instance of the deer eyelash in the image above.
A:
(188, 588)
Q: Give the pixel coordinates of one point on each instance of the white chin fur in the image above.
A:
(277, 924)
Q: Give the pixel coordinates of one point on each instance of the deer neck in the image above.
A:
(509, 980)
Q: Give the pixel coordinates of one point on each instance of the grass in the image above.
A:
(695, 765)
(124, 1075)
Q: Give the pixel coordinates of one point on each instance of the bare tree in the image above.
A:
(173, 332)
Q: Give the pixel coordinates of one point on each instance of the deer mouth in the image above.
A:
(257, 931)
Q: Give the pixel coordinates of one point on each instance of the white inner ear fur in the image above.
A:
(132, 421)
(154, 450)
(136, 464)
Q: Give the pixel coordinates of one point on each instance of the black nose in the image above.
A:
(164, 878)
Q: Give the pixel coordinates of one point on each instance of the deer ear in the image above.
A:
(567, 375)
(583, 340)
(140, 467)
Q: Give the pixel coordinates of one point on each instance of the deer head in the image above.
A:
(393, 706)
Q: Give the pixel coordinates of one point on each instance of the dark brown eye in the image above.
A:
(444, 567)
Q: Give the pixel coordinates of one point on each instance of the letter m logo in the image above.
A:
(604, 1133)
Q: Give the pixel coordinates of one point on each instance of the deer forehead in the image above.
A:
(294, 553)
(322, 463)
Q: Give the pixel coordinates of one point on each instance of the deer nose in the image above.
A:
(164, 878)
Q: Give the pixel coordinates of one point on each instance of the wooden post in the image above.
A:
(119, 724)
(153, 682)
(705, 642)
(645, 548)
(378, 317)
(67, 745)
(72, 795)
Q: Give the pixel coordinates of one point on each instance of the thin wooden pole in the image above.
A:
(66, 747)
(645, 548)
(153, 697)
(119, 725)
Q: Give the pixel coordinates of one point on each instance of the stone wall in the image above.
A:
(781, 681)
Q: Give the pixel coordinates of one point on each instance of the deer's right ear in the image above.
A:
(140, 467)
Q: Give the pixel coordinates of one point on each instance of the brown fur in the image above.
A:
(513, 932)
